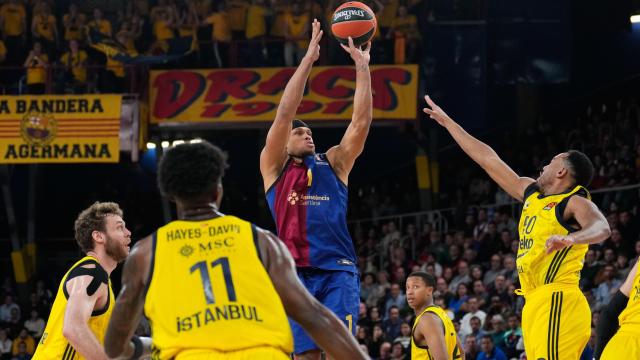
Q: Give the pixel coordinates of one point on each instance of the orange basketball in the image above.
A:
(353, 19)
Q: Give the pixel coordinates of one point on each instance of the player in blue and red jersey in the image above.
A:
(307, 193)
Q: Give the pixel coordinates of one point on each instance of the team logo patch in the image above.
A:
(186, 250)
(293, 197)
(550, 206)
(525, 206)
(38, 129)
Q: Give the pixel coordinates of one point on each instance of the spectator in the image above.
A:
(256, 32)
(512, 337)
(471, 348)
(380, 289)
(5, 345)
(45, 30)
(220, 34)
(377, 339)
(164, 19)
(480, 292)
(439, 301)
(474, 311)
(237, 19)
(404, 31)
(22, 353)
(74, 62)
(374, 316)
(498, 329)
(494, 270)
(396, 298)
(607, 288)
(363, 316)
(442, 289)
(188, 27)
(475, 329)
(462, 276)
(7, 307)
(405, 336)
(461, 296)
(99, 24)
(13, 21)
(385, 351)
(391, 325)
(36, 64)
(35, 325)
(296, 32)
(73, 22)
(27, 340)
(367, 286)
(114, 77)
(500, 289)
(397, 351)
(589, 270)
(510, 272)
(489, 351)
(362, 335)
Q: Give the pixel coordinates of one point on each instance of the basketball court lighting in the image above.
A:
(635, 19)
(165, 144)
(151, 145)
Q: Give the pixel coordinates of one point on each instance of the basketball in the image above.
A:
(353, 19)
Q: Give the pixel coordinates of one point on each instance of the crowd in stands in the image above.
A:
(51, 40)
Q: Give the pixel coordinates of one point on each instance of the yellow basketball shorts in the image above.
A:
(556, 322)
(262, 353)
(623, 345)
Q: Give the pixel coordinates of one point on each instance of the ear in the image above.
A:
(98, 237)
(562, 172)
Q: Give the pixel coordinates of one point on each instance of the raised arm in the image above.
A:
(321, 324)
(127, 311)
(343, 156)
(481, 153)
(274, 153)
(594, 227)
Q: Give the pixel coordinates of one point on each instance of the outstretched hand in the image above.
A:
(313, 51)
(359, 56)
(435, 112)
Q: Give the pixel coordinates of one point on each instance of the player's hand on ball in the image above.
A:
(435, 112)
(359, 56)
(313, 51)
(558, 242)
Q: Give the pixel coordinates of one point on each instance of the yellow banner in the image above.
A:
(247, 95)
(60, 129)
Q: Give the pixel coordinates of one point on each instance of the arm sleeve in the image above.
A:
(608, 322)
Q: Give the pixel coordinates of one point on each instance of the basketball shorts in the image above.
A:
(556, 322)
(262, 353)
(337, 290)
(625, 344)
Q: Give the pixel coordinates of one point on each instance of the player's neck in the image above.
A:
(424, 306)
(197, 211)
(556, 188)
(107, 263)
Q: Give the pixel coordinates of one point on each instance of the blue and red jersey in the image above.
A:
(309, 205)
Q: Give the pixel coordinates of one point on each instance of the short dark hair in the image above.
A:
(92, 219)
(428, 279)
(189, 170)
(580, 167)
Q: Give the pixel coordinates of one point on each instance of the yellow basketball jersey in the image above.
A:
(53, 345)
(630, 316)
(450, 337)
(208, 289)
(542, 217)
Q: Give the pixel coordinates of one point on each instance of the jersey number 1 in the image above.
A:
(206, 279)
